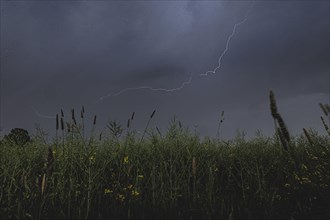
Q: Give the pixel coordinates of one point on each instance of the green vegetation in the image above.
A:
(123, 175)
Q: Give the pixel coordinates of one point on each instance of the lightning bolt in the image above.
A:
(228, 41)
(148, 88)
(183, 85)
(190, 78)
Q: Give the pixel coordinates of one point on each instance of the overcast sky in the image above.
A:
(70, 53)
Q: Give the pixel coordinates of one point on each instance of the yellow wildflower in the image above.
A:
(135, 193)
(305, 180)
(125, 159)
(107, 191)
(121, 197)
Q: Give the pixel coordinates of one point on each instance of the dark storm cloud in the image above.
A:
(64, 54)
(289, 53)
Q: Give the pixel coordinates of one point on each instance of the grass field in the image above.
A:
(177, 175)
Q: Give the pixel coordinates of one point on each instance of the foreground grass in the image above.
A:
(174, 176)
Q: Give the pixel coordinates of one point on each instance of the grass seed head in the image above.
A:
(62, 124)
(132, 117)
(153, 113)
(128, 123)
(324, 109)
(327, 107)
(273, 107)
(82, 111)
(94, 121)
(283, 128)
(73, 117)
(62, 114)
(56, 122)
(308, 136)
(326, 127)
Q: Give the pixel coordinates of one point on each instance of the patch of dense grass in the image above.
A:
(171, 176)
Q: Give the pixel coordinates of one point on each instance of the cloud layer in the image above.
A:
(67, 54)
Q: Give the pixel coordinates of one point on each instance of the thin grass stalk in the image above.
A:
(283, 128)
(326, 127)
(310, 141)
(69, 167)
(153, 183)
(82, 122)
(274, 113)
(193, 166)
(158, 131)
(282, 139)
(242, 183)
(43, 184)
(325, 111)
(130, 122)
(220, 122)
(145, 129)
(194, 171)
(49, 162)
(62, 128)
(92, 133)
(327, 107)
(276, 131)
(73, 116)
(56, 132)
(94, 120)
(56, 124)
(89, 189)
(68, 127)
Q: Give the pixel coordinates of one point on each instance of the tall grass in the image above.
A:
(176, 175)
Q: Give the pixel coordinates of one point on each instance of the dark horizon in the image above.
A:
(62, 55)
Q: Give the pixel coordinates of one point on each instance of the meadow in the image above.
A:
(122, 174)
